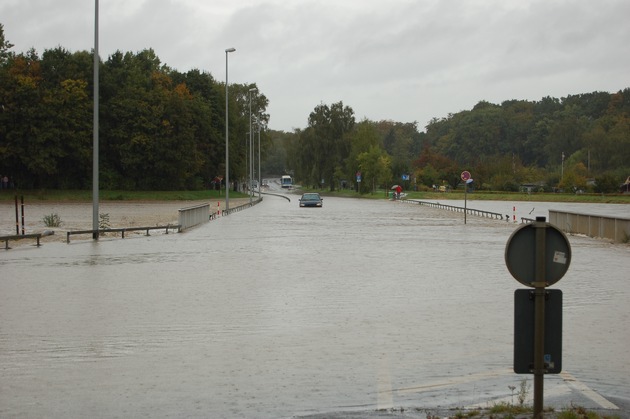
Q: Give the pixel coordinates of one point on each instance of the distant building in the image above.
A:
(532, 187)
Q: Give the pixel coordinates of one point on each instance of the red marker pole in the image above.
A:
(514, 213)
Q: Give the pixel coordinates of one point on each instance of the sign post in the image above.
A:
(537, 255)
(466, 178)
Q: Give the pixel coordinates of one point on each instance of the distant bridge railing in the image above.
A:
(242, 207)
(278, 195)
(600, 226)
(471, 211)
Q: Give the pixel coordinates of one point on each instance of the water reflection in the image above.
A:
(277, 311)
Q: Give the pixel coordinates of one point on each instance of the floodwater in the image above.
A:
(278, 311)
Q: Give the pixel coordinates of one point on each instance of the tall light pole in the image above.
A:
(227, 145)
(258, 127)
(562, 168)
(251, 150)
(95, 182)
(259, 169)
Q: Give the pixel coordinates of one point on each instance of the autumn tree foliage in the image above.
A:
(159, 129)
(163, 129)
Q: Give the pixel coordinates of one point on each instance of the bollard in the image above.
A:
(514, 213)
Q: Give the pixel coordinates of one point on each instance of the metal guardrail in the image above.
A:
(242, 207)
(598, 226)
(471, 211)
(201, 214)
(36, 236)
(122, 230)
(193, 216)
(278, 195)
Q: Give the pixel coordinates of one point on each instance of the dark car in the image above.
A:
(311, 200)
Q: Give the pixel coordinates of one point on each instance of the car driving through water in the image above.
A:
(311, 199)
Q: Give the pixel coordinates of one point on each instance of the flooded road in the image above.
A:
(278, 311)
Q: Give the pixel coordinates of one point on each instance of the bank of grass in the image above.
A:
(520, 196)
(86, 196)
(489, 196)
(506, 410)
(511, 411)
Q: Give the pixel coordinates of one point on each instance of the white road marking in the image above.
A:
(577, 385)
(455, 381)
(385, 392)
(385, 395)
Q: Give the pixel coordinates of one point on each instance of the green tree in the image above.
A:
(427, 176)
(324, 146)
(447, 170)
(375, 166)
(362, 138)
(402, 143)
(566, 134)
(5, 46)
(574, 178)
(25, 151)
(479, 132)
(519, 121)
(606, 183)
(67, 131)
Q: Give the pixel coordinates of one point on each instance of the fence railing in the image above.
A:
(35, 236)
(242, 207)
(188, 217)
(599, 226)
(471, 211)
(123, 230)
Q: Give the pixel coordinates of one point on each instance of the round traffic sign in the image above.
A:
(465, 175)
(521, 250)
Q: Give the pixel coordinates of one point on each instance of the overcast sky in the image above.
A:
(401, 60)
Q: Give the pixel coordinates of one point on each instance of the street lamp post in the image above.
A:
(247, 160)
(259, 178)
(95, 128)
(251, 150)
(562, 168)
(227, 146)
(259, 168)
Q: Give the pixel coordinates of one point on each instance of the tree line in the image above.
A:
(159, 129)
(577, 143)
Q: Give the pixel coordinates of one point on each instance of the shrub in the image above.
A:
(104, 221)
(52, 220)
